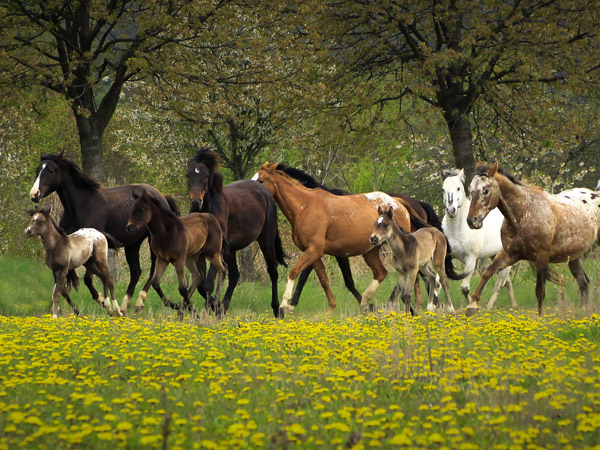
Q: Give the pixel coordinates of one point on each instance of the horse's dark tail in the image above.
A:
(112, 242)
(449, 266)
(416, 223)
(280, 254)
(432, 218)
(72, 279)
(172, 205)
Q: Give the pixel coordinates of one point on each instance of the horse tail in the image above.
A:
(225, 247)
(449, 266)
(172, 205)
(416, 223)
(72, 279)
(432, 218)
(112, 242)
(280, 254)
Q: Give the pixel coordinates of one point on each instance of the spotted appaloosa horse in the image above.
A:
(323, 223)
(65, 252)
(538, 227)
(470, 245)
(423, 251)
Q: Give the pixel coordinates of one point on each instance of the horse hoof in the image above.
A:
(471, 310)
(451, 309)
(286, 309)
(137, 310)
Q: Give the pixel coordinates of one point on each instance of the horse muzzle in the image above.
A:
(451, 211)
(374, 240)
(475, 223)
(195, 205)
(130, 228)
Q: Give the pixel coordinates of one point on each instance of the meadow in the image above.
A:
(500, 380)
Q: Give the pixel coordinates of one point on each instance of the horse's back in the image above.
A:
(85, 243)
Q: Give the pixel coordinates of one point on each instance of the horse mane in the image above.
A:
(484, 168)
(306, 180)
(215, 181)
(207, 157)
(167, 212)
(80, 178)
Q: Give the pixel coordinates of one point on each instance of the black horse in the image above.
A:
(422, 214)
(87, 204)
(246, 212)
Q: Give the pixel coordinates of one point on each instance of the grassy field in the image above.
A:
(500, 380)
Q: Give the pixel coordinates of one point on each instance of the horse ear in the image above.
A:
(61, 154)
(45, 211)
(145, 195)
(379, 210)
(461, 175)
(389, 213)
(493, 169)
(31, 212)
(134, 195)
(445, 173)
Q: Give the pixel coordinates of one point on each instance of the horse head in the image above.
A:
(265, 176)
(203, 177)
(48, 177)
(141, 213)
(485, 194)
(38, 224)
(454, 190)
(383, 226)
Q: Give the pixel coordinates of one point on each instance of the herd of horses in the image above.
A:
(500, 218)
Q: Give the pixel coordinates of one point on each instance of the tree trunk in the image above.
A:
(90, 139)
(246, 264)
(462, 143)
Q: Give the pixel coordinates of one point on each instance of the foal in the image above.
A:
(180, 241)
(65, 252)
(422, 251)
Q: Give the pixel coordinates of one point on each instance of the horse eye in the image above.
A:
(486, 191)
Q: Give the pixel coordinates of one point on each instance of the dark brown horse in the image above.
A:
(323, 223)
(246, 212)
(180, 241)
(421, 214)
(65, 252)
(87, 204)
(538, 227)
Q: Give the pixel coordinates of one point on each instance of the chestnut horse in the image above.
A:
(324, 223)
(423, 251)
(88, 204)
(417, 210)
(180, 241)
(65, 252)
(246, 212)
(538, 227)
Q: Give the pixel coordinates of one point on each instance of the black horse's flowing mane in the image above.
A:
(484, 168)
(80, 178)
(207, 157)
(306, 180)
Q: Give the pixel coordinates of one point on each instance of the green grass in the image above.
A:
(26, 290)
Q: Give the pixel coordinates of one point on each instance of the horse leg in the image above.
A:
(465, 286)
(197, 277)
(60, 281)
(503, 278)
(156, 286)
(217, 262)
(87, 279)
(101, 265)
(201, 263)
(154, 280)
(379, 273)
(540, 285)
(308, 257)
(65, 294)
(582, 279)
(180, 271)
(500, 262)
(132, 255)
(302, 278)
(103, 300)
(322, 274)
(344, 264)
(267, 247)
(233, 272)
(405, 287)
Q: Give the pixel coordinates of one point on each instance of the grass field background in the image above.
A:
(500, 380)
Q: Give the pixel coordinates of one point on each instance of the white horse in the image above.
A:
(470, 245)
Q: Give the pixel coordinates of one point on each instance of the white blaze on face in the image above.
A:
(35, 190)
(255, 177)
(379, 220)
(197, 170)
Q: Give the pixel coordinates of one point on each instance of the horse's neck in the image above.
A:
(75, 200)
(399, 241)
(291, 198)
(216, 204)
(514, 201)
(160, 224)
(51, 239)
